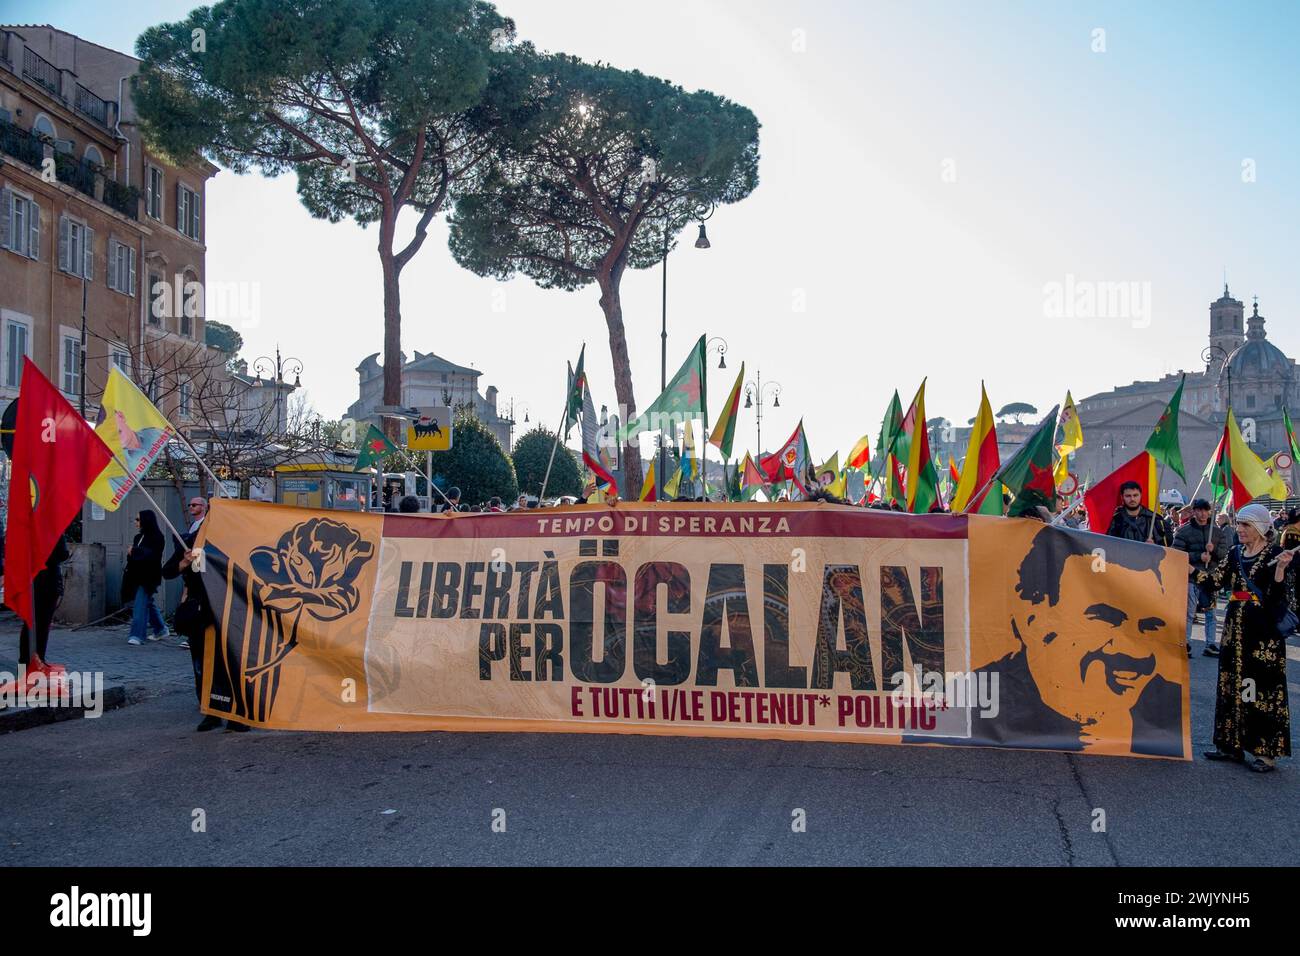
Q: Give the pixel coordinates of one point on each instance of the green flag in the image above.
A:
(889, 427)
(375, 447)
(573, 404)
(1292, 446)
(1028, 473)
(683, 399)
(1163, 443)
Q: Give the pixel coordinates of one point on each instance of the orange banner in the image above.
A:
(791, 621)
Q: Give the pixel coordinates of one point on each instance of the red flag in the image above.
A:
(57, 456)
(1103, 498)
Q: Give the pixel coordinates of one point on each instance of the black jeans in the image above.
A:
(46, 594)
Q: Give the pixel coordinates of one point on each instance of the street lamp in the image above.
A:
(281, 365)
(720, 348)
(1212, 352)
(522, 407)
(702, 210)
(1108, 444)
(754, 395)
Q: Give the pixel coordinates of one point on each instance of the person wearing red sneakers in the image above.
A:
(47, 589)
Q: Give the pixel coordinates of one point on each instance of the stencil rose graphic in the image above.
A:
(313, 568)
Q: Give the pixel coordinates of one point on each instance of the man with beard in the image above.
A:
(1134, 522)
(1085, 671)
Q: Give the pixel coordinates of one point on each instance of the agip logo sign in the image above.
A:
(431, 430)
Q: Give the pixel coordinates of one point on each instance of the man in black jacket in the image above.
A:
(1133, 522)
(1206, 547)
(194, 614)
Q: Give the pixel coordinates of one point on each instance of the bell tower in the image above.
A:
(1227, 329)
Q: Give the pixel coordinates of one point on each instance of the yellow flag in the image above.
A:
(648, 486)
(1279, 492)
(831, 468)
(1072, 437)
(134, 431)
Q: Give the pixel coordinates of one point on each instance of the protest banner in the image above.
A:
(792, 621)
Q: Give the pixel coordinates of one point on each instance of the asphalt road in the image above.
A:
(123, 790)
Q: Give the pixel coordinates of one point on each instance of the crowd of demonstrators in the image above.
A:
(141, 578)
(1253, 653)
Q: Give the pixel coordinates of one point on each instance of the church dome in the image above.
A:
(1257, 357)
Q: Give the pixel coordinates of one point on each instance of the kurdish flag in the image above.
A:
(1237, 469)
(648, 486)
(724, 431)
(577, 383)
(1028, 473)
(1279, 489)
(374, 448)
(922, 477)
(683, 399)
(56, 456)
(861, 453)
(1292, 445)
(981, 463)
(1163, 443)
(889, 426)
(750, 476)
(790, 462)
(134, 431)
(1103, 498)
(591, 456)
(1071, 437)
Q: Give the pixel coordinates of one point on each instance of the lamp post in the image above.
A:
(701, 213)
(522, 407)
(281, 365)
(1108, 444)
(754, 399)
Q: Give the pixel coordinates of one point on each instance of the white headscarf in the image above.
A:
(1257, 517)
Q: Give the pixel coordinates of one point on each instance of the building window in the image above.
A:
(193, 307)
(71, 364)
(1250, 401)
(154, 193)
(20, 224)
(184, 394)
(76, 248)
(187, 212)
(121, 267)
(122, 361)
(157, 299)
(17, 337)
(44, 127)
(93, 155)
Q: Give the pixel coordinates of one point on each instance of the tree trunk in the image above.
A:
(392, 330)
(612, 306)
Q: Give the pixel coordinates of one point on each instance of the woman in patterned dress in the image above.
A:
(1251, 714)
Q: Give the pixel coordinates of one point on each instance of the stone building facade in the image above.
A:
(430, 380)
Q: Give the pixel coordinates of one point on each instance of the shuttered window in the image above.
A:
(76, 248)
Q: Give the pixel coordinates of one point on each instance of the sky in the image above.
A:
(943, 188)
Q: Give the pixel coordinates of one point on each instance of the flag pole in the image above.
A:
(546, 480)
(139, 483)
(1155, 514)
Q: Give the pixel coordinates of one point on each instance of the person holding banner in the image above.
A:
(1251, 711)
